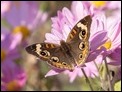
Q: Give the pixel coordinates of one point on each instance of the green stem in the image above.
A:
(87, 80)
(108, 77)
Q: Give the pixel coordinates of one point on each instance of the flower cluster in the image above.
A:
(105, 33)
(19, 19)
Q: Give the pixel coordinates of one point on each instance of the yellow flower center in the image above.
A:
(98, 4)
(3, 54)
(23, 30)
(12, 86)
(107, 45)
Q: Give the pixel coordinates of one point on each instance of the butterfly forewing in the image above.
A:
(78, 40)
(51, 53)
(80, 30)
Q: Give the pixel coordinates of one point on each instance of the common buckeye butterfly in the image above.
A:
(68, 54)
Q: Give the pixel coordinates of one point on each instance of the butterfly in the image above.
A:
(70, 53)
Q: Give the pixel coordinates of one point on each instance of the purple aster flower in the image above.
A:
(23, 17)
(8, 46)
(105, 6)
(114, 32)
(13, 76)
(101, 5)
(113, 44)
(114, 58)
(62, 25)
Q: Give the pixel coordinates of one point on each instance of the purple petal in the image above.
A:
(115, 57)
(13, 54)
(95, 56)
(6, 42)
(98, 39)
(4, 33)
(38, 20)
(11, 41)
(11, 71)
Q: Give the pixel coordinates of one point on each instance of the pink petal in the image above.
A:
(98, 21)
(68, 16)
(102, 19)
(57, 33)
(22, 79)
(114, 4)
(78, 10)
(92, 68)
(73, 74)
(16, 40)
(115, 30)
(51, 37)
(51, 73)
(66, 30)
